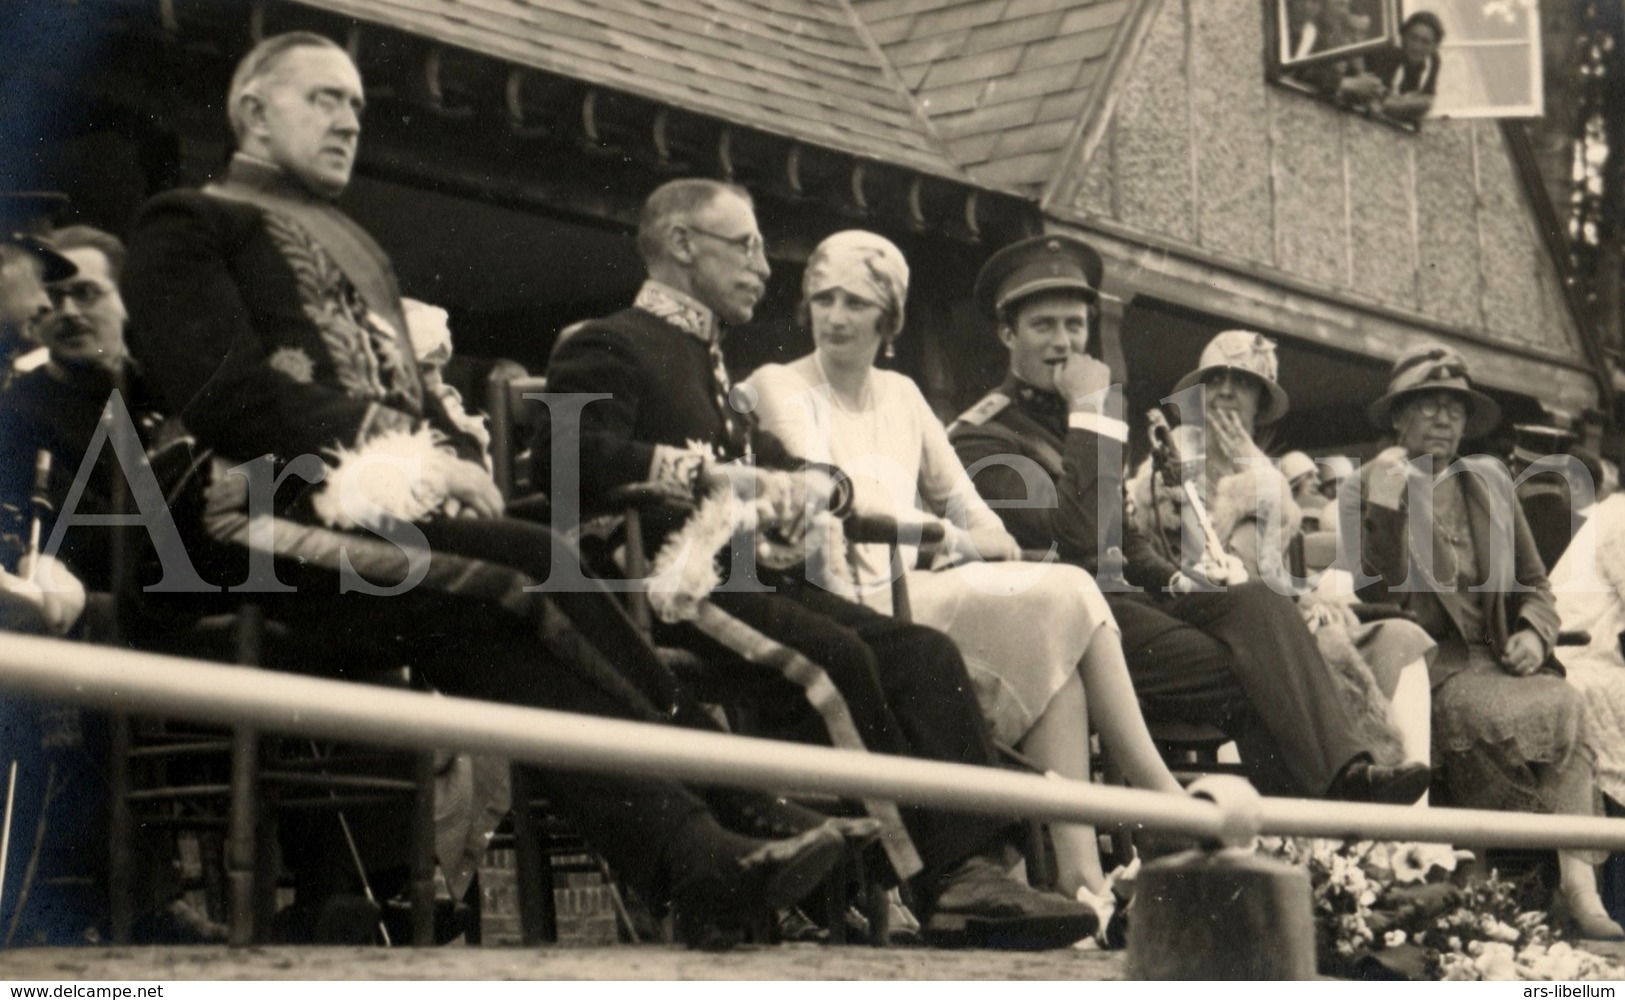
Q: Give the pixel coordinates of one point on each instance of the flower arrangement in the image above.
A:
(1413, 909)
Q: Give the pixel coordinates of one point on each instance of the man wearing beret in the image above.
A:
(1203, 643)
(27, 263)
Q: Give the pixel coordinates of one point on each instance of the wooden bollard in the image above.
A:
(1221, 911)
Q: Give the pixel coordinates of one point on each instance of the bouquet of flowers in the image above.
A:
(1414, 910)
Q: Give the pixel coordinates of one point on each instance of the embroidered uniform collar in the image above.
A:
(682, 311)
(1044, 403)
(263, 175)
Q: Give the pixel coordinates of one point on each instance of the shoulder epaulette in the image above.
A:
(986, 409)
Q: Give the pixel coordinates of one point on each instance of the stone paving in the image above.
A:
(652, 962)
(620, 962)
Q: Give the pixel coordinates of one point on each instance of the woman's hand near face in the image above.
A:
(1230, 437)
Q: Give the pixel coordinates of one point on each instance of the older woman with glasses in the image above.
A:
(1508, 729)
(1040, 643)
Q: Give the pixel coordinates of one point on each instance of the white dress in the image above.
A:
(1021, 627)
(1588, 582)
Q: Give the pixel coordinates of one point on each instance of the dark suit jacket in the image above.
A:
(1496, 522)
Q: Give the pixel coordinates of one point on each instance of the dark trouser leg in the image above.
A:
(467, 641)
(904, 684)
(626, 819)
(1243, 660)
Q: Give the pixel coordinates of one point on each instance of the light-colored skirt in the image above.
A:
(1021, 627)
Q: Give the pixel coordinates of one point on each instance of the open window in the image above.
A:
(1310, 32)
(1401, 61)
(1490, 62)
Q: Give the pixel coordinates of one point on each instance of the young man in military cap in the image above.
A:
(1204, 644)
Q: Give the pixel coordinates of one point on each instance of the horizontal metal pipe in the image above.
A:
(152, 684)
(1461, 827)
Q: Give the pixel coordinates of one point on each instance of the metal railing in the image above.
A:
(146, 683)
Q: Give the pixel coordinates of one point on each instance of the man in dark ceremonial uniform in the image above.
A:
(57, 407)
(1048, 444)
(271, 324)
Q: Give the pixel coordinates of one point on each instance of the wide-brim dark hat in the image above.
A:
(1040, 264)
(25, 219)
(1431, 368)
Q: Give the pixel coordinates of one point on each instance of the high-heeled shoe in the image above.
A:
(1583, 915)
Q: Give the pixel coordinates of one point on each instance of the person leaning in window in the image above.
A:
(1409, 72)
(1508, 729)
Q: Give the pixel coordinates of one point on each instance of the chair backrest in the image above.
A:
(512, 418)
(1550, 516)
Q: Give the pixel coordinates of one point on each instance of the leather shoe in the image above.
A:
(717, 900)
(774, 818)
(1398, 784)
(979, 906)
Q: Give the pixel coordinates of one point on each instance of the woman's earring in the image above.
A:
(890, 350)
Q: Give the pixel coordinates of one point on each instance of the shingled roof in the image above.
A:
(795, 68)
(1006, 83)
(986, 91)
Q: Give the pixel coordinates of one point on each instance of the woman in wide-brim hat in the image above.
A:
(1508, 729)
(1381, 666)
(1039, 641)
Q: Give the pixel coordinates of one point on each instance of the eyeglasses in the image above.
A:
(83, 293)
(1455, 409)
(749, 244)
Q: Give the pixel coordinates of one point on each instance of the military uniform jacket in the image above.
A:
(1076, 497)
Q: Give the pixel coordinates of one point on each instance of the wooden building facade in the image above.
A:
(508, 144)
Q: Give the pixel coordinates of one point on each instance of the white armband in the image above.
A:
(1099, 423)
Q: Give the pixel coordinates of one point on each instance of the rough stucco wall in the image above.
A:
(1311, 235)
(1152, 142)
(1382, 241)
(1516, 300)
(1202, 150)
(1230, 117)
(1095, 194)
(1447, 246)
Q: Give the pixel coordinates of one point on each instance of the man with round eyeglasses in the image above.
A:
(56, 407)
